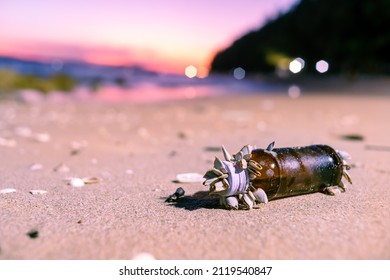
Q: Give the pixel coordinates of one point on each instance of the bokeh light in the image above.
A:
(191, 71)
(322, 66)
(296, 65)
(239, 73)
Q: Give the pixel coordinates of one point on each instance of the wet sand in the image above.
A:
(138, 149)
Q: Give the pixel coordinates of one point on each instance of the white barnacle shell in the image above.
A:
(226, 154)
(219, 165)
(247, 200)
(229, 202)
(260, 196)
(247, 151)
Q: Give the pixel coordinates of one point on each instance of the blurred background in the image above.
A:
(151, 50)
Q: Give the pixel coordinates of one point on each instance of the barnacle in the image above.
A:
(254, 176)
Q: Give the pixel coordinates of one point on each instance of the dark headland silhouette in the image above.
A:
(353, 36)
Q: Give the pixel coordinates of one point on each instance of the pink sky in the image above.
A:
(162, 35)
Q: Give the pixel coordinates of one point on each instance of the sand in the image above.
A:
(138, 149)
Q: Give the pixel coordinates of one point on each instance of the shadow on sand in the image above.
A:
(196, 201)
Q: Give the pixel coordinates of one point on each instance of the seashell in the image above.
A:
(41, 137)
(36, 166)
(91, 180)
(76, 182)
(229, 202)
(8, 190)
(189, 178)
(35, 192)
(7, 142)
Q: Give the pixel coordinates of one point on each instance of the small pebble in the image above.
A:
(33, 233)
(8, 190)
(36, 192)
(76, 182)
(179, 192)
(352, 137)
(174, 197)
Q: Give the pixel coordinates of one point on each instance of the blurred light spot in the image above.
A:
(202, 72)
(191, 71)
(296, 65)
(294, 91)
(279, 60)
(322, 66)
(57, 64)
(239, 73)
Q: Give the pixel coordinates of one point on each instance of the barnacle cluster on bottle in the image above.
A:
(254, 176)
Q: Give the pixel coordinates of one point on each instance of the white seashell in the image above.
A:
(35, 192)
(7, 142)
(8, 190)
(76, 182)
(91, 180)
(189, 178)
(36, 166)
(144, 256)
(41, 137)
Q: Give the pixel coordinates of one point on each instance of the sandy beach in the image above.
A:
(136, 150)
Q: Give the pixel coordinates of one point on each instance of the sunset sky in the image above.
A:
(159, 35)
